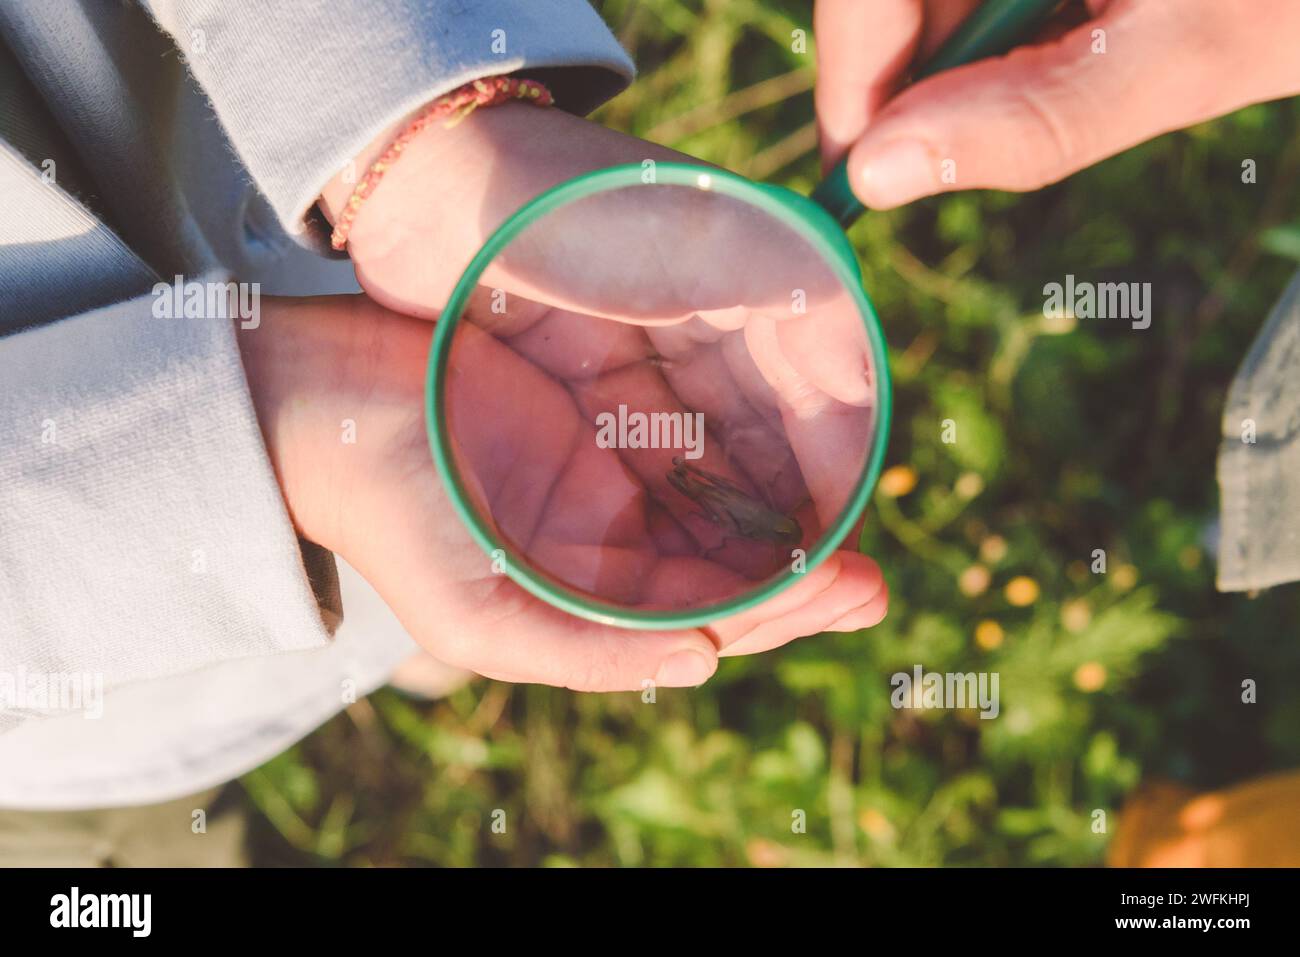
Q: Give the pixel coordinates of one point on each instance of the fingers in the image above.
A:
(832, 452)
(866, 616)
(1042, 112)
(844, 593)
(829, 347)
(792, 389)
(830, 439)
(532, 642)
(863, 51)
(658, 256)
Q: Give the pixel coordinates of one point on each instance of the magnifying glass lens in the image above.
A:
(657, 397)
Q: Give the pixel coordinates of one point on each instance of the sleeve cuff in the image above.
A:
(302, 91)
(142, 531)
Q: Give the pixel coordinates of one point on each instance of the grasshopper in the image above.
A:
(726, 504)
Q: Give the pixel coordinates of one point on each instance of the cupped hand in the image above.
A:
(654, 298)
(1130, 71)
(535, 397)
(716, 282)
(321, 369)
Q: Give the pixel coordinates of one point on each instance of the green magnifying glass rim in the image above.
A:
(801, 215)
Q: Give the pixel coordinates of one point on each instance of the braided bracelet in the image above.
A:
(453, 106)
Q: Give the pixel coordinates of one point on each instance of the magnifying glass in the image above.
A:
(680, 431)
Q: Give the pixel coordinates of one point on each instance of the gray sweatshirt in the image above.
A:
(162, 629)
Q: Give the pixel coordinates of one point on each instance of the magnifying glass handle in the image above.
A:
(995, 27)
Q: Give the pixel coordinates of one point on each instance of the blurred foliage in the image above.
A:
(1072, 437)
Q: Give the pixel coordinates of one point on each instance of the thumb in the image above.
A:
(495, 628)
(863, 51)
(1042, 112)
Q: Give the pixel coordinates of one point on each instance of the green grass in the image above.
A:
(1096, 437)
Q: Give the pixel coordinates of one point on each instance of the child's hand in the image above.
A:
(717, 267)
(639, 255)
(1137, 69)
(689, 264)
(321, 367)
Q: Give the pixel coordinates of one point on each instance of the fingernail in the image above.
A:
(897, 172)
(685, 669)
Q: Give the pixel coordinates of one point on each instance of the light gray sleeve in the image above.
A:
(1259, 458)
(302, 87)
(142, 532)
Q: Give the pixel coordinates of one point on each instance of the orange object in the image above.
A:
(1254, 824)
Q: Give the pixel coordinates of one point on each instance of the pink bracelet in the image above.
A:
(456, 105)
